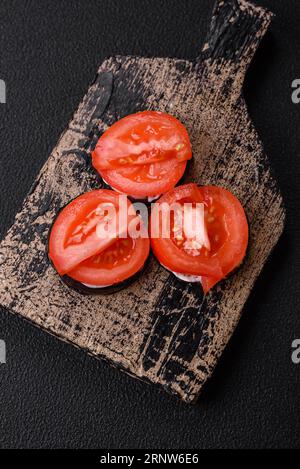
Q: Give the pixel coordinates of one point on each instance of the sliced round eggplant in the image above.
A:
(87, 262)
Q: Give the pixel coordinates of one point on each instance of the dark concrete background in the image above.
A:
(52, 395)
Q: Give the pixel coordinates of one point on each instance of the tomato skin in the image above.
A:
(70, 248)
(144, 154)
(234, 251)
(226, 221)
(208, 283)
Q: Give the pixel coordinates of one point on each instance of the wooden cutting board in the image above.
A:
(158, 329)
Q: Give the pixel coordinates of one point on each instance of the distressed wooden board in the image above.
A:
(158, 329)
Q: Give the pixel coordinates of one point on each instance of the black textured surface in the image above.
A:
(52, 395)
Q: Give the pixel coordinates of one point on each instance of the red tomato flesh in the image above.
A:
(76, 249)
(225, 225)
(143, 154)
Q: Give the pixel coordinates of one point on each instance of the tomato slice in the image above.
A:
(223, 232)
(143, 154)
(114, 265)
(88, 226)
(143, 138)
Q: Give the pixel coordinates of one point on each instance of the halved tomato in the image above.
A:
(90, 242)
(143, 154)
(213, 248)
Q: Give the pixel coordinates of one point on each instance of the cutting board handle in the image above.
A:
(236, 30)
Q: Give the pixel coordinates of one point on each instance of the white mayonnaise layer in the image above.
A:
(185, 277)
(95, 286)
